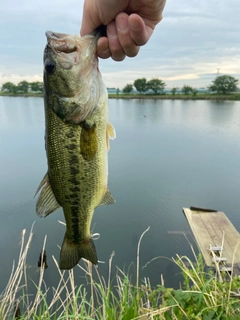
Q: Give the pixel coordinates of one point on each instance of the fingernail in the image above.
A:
(134, 25)
(104, 51)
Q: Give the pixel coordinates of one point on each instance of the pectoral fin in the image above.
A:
(107, 198)
(110, 134)
(46, 202)
(88, 141)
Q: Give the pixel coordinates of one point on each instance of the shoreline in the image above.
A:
(177, 97)
(200, 96)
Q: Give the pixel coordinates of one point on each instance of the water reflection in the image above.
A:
(223, 115)
(167, 155)
(21, 112)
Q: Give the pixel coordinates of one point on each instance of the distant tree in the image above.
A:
(156, 85)
(23, 86)
(36, 86)
(224, 84)
(194, 91)
(117, 91)
(141, 85)
(187, 89)
(128, 88)
(9, 87)
(174, 90)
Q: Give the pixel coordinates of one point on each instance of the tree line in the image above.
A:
(222, 85)
(22, 87)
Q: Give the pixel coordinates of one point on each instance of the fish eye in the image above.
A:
(49, 66)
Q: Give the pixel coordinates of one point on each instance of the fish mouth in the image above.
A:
(53, 35)
(61, 42)
(65, 43)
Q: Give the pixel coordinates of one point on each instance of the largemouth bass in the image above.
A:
(76, 140)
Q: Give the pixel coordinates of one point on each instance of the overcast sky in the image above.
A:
(195, 40)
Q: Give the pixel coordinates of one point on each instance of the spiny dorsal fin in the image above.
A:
(110, 134)
(46, 202)
(107, 198)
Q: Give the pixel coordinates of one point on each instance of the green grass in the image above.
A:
(29, 94)
(198, 96)
(203, 295)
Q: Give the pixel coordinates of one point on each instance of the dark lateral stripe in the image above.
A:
(73, 181)
(75, 223)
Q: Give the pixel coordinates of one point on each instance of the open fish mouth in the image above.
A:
(61, 42)
(65, 43)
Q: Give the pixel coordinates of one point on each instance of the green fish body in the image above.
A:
(77, 141)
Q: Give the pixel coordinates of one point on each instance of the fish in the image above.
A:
(77, 133)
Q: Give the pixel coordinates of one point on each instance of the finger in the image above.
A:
(90, 20)
(115, 47)
(124, 36)
(103, 48)
(139, 29)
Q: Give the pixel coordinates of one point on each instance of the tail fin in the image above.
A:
(71, 253)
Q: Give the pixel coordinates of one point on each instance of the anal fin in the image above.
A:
(107, 198)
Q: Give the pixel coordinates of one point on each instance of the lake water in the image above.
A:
(167, 155)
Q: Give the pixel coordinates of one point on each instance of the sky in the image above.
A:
(195, 41)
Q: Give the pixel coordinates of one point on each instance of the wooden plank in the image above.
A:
(214, 223)
(211, 227)
(223, 226)
(199, 231)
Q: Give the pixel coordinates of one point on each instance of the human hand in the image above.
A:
(130, 24)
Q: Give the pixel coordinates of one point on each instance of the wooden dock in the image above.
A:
(213, 228)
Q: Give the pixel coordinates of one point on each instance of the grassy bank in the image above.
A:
(29, 94)
(199, 96)
(203, 295)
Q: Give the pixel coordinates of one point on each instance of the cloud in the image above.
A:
(190, 76)
(194, 40)
(16, 78)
